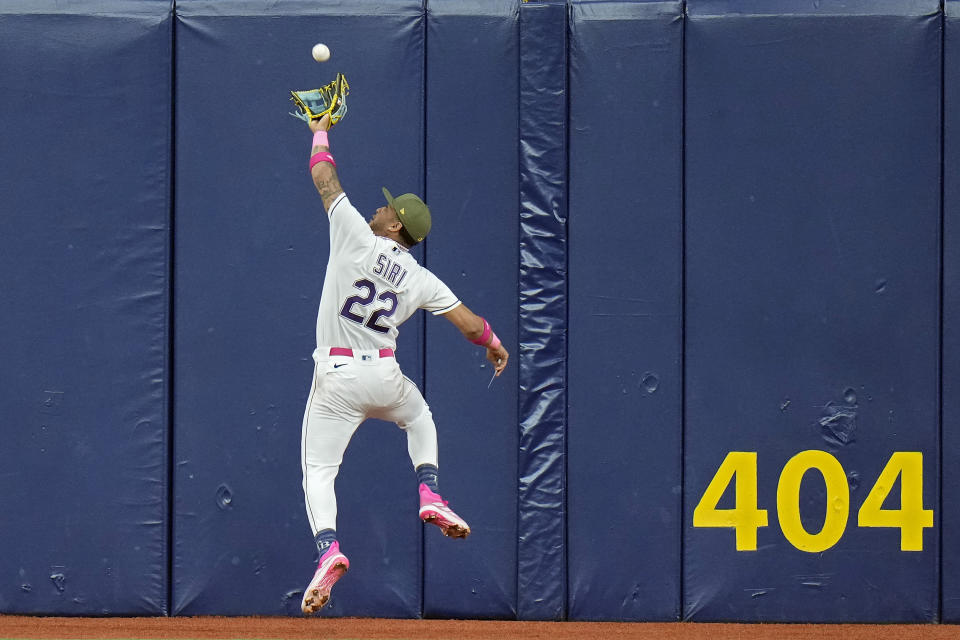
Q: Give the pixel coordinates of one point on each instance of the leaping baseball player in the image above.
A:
(372, 285)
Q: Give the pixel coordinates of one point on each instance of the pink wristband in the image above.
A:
(482, 340)
(323, 156)
(320, 139)
(488, 334)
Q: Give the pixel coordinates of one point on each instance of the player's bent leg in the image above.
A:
(333, 564)
(324, 439)
(421, 439)
(328, 426)
(412, 414)
(324, 443)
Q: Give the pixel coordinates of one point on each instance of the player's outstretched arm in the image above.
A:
(478, 331)
(324, 172)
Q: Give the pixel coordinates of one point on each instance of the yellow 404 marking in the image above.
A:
(740, 467)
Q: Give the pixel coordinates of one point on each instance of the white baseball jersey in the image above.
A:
(372, 285)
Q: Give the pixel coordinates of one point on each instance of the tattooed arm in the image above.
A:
(324, 174)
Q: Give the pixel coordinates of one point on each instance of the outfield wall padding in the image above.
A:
(542, 525)
(717, 238)
(251, 246)
(624, 368)
(950, 522)
(85, 159)
(473, 189)
(812, 298)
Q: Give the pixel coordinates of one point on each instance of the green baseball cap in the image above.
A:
(413, 213)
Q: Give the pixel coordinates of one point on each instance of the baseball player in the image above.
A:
(372, 286)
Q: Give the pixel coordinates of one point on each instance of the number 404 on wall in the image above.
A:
(740, 467)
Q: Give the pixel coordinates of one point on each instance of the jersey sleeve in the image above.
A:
(438, 298)
(348, 229)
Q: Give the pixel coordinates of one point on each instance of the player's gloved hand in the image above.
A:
(330, 98)
(322, 124)
(498, 358)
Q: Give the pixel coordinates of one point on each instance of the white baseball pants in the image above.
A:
(345, 392)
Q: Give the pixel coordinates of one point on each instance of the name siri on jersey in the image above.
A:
(389, 270)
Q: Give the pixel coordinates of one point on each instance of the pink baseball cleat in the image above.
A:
(434, 510)
(333, 565)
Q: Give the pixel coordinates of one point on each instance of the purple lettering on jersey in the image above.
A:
(394, 272)
(381, 266)
(389, 270)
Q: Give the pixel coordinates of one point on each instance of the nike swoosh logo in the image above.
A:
(342, 364)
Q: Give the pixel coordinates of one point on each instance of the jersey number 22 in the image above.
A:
(366, 298)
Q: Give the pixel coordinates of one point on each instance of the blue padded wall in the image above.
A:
(85, 157)
(473, 191)
(541, 551)
(624, 375)
(812, 293)
(752, 264)
(951, 316)
(251, 249)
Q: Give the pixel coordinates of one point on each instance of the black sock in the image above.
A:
(324, 539)
(427, 474)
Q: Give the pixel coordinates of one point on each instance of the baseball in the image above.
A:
(321, 52)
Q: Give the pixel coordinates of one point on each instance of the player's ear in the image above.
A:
(395, 226)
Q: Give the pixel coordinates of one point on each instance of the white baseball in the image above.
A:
(321, 52)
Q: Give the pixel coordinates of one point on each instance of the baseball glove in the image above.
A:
(330, 98)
